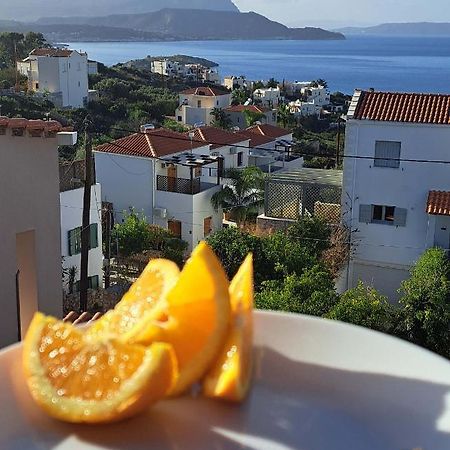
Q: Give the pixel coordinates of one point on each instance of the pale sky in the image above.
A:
(331, 13)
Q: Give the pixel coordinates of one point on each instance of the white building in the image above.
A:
(92, 67)
(394, 203)
(234, 82)
(238, 115)
(63, 74)
(71, 202)
(301, 109)
(197, 104)
(160, 173)
(271, 148)
(30, 249)
(268, 97)
(318, 95)
(168, 68)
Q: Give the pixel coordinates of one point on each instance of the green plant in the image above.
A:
(251, 117)
(220, 119)
(364, 306)
(244, 195)
(426, 302)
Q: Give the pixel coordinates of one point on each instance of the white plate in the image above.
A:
(319, 385)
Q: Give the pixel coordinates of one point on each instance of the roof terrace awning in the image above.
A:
(191, 159)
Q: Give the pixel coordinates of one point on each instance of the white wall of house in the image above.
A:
(29, 230)
(269, 97)
(191, 211)
(233, 82)
(126, 182)
(71, 203)
(189, 115)
(387, 247)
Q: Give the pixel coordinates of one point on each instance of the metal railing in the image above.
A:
(179, 185)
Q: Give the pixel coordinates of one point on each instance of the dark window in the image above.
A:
(383, 214)
(37, 85)
(199, 103)
(389, 150)
(240, 156)
(180, 119)
(93, 283)
(75, 239)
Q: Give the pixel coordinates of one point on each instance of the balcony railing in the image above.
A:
(179, 185)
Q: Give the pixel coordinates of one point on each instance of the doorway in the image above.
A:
(172, 179)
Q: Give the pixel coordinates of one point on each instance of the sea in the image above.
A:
(406, 64)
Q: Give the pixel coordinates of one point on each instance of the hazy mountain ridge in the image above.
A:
(401, 29)
(26, 10)
(201, 25)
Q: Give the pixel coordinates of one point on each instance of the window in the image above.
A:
(74, 237)
(207, 226)
(93, 283)
(389, 150)
(383, 214)
(217, 103)
(180, 119)
(37, 85)
(199, 103)
(174, 227)
(79, 84)
(240, 156)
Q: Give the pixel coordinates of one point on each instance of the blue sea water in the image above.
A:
(410, 64)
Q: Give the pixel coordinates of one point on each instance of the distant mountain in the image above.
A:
(401, 29)
(26, 10)
(202, 25)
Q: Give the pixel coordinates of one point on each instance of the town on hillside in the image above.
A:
(344, 200)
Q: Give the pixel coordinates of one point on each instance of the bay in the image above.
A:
(407, 64)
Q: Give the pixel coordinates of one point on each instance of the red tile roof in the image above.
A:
(438, 203)
(402, 107)
(54, 52)
(217, 136)
(32, 125)
(209, 91)
(256, 140)
(152, 144)
(271, 131)
(253, 108)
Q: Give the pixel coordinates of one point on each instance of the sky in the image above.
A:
(334, 13)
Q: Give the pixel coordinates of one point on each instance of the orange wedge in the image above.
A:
(229, 378)
(77, 378)
(194, 319)
(157, 279)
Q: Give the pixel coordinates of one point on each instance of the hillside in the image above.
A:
(401, 29)
(26, 10)
(204, 25)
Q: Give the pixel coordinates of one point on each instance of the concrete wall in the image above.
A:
(127, 182)
(405, 187)
(72, 217)
(29, 230)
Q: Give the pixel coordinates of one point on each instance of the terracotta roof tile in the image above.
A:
(253, 108)
(438, 203)
(269, 130)
(217, 136)
(403, 107)
(32, 125)
(209, 91)
(152, 144)
(256, 140)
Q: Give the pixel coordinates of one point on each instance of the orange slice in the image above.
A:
(80, 379)
(195, 317)
(230, 376)
(157, 279)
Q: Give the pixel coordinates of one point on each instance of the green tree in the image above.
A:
(272, 83)
(239, 96)
(311, 293)
(285, 117)
(244, 195)
(220, 119)
(258, 85)
(251, 117)
(366, 307)
(426, 302)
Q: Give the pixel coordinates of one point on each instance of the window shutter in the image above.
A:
(390, 151)
(93, 238)
(400, 217)
(72, 242)
(365, 213)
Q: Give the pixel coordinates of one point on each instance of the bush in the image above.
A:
(426, 302)
(311, 293)
(365, 307)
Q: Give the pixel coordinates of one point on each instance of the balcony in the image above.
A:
(182, 185)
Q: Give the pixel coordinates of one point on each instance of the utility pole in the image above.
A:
(85, 228)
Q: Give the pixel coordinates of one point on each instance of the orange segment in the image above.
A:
(197, 314)
(157, 279)
(230, 376)
(76, 378)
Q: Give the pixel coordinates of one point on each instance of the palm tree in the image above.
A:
(244, 195)
(285, 117)
(220, 119)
